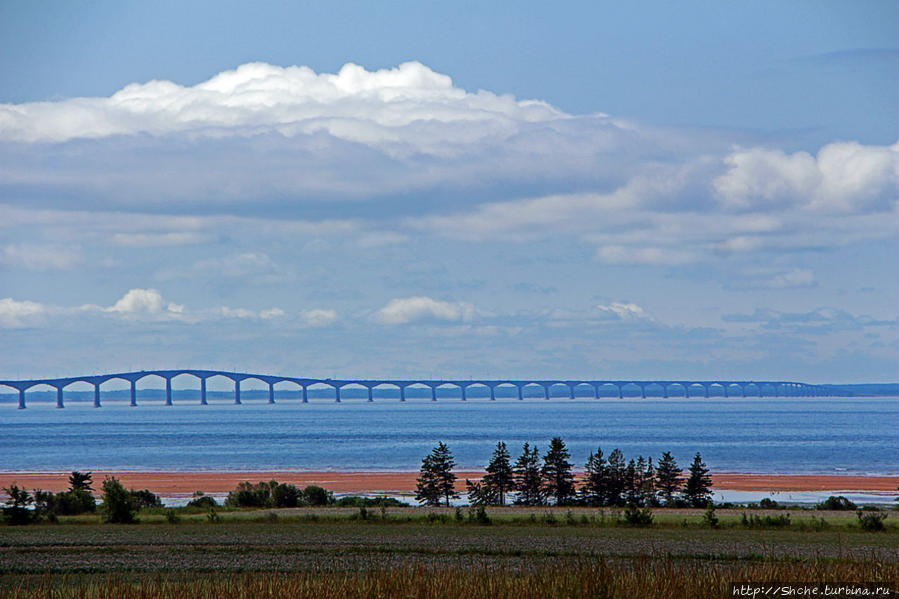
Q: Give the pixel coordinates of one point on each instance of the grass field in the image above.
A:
(328, 552)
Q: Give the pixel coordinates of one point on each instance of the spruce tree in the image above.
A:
(596, 476)
(649, 484)
(558, 480)
(668, 477)
(616, 479)
(698, 488)
(499, 479)
(527, 477)
(436, 480)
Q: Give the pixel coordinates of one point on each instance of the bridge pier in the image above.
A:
(620, 391)
(706, 387)
(369, 395)
(643, 391)
(237, 392)
(59, 403)
(168, 391)
(464, 392)
(21, 399)
(305, 394)
(520, 392)
(433, 393)
(665, 391)
(133, 393)
(402, 393)
(336, 394)
(492, 393)
(97, 395)
(271, 393)
(203, 392)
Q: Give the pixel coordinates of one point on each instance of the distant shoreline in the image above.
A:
(177, 483)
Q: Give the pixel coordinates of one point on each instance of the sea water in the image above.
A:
(776, 435)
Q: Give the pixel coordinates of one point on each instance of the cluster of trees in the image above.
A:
(550, 479)
(118, 503)
(275, 494)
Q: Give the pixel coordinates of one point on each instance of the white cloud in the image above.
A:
(409, 309)
(158, 239)
(616, 254)
(144, 301)
(14, 314)
(797, 277)
(39, 257)
(623, 311)
(844, 176)
(318, 317)
(353, 104)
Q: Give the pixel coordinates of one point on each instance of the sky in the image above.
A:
(646, 190)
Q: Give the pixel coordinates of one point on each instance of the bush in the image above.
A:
(635, 516)
(17, 512)
(203, 502)
(768, 504)
(316, 495)
(836, 503)
(709, 517)
(286, 495)
(754, 521)
(145, 498)
(118, 503)
(871, 521)
(171, 516)
(359, 501)
(249, 495)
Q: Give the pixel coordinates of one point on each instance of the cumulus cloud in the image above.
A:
(843, 176)
(15, 314)
(143, 301)
(410, 309)
(353, 104)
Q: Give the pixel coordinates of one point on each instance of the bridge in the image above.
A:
(680, 388)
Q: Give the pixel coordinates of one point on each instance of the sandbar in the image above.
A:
(186, 483)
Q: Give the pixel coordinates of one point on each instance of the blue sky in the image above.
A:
(397, 189)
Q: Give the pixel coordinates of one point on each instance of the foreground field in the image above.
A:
(418, 553)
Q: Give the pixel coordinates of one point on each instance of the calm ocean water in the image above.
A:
(820, 435)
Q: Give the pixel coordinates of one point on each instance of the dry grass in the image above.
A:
(600, 578)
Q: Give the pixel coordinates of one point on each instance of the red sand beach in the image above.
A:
(177, 483)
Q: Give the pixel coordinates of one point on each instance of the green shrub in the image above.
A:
(316, 495)
(709, 517)
(204, 502)
(17, 513)
(636, 516)
(171, 516)
(118, 503)
(836, 503)
(871, 521)
(755, 521)
(145, 498)
(768, 504)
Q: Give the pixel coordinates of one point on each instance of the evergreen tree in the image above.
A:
(649, 484)
(593, 491)
(632, 483)
(527, 477)
(81, 481)
(668, 477)
(616, 479)
(436, 480)
(698, 488)
(558, 480)
(499, 479)
(479, 494)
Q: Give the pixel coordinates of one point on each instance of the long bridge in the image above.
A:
(682, 388)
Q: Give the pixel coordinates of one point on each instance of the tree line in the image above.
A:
(550, 479)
